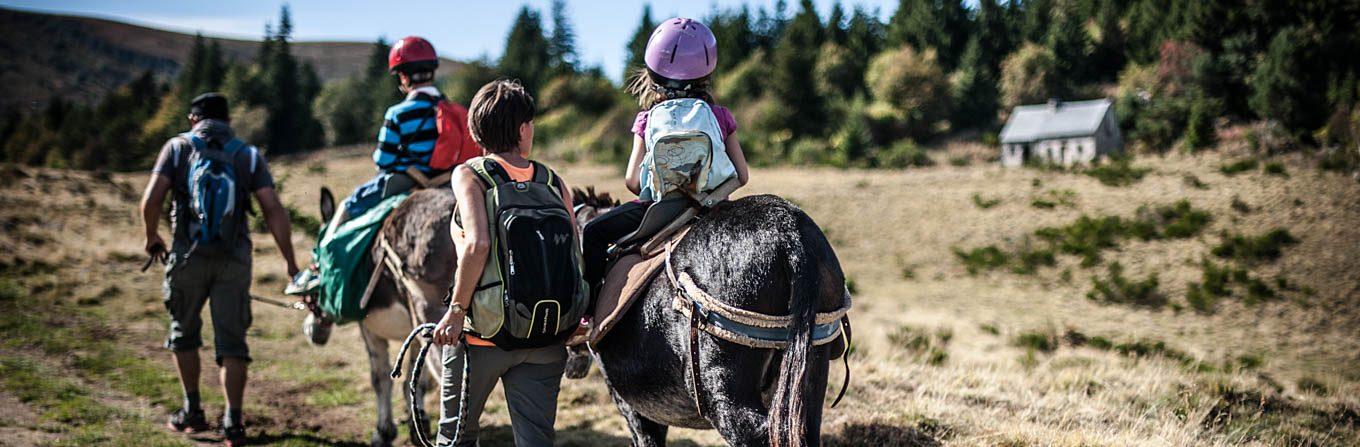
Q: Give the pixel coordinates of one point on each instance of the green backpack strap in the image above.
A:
(489, 172)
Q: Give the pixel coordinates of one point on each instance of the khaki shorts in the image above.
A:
(222, 281)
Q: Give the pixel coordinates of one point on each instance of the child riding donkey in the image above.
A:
(421, 140)
(678, 126)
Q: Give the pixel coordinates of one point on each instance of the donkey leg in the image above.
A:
(646, 432)
(741, 422)
(380, 376)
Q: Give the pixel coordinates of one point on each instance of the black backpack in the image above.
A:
(531, 293)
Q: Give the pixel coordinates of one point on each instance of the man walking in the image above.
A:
(210, 176)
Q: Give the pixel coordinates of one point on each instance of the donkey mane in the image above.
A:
(590, 198)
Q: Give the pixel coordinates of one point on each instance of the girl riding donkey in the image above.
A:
(737, 329)
(674, 86)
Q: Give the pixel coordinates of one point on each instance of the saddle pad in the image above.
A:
(626, 281)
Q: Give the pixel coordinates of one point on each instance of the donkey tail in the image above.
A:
(788, 412)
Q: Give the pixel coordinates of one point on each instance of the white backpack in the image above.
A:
(685, 150)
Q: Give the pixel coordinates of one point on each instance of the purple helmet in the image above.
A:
(682, 49)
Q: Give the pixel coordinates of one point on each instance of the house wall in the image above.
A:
(1109, 139)
(1012, 155)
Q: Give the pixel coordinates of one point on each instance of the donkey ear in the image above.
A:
(327, 204)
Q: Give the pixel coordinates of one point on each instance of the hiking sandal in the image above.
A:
(234, 435)
(188, 421)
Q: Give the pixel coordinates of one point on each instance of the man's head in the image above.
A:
(501, 117)
(209, 106)
(413, 60)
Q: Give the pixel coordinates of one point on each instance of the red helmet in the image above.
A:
(412, 52)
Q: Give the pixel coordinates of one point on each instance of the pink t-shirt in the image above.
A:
(726, 122)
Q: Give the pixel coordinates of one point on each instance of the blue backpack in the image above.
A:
(217, 199)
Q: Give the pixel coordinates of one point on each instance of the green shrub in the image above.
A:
(1276, 168)
(809, 152)
(910, 91)
(1042, 340)
(1042, 204)
(1180, 221)
(1085, 237)
(1312, 385)
(985, 258)
(985, 203)
(1253, 249)
(1216, 279)
(922, 344)
(1118, 172)
(1240, 206)
(1238, 167)
(1028, 260)
(1194, 182)
(1199, 299)
(903, 154)
(1117, 289)
(10, 290)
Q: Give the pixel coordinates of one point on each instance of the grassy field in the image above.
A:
(987, 312)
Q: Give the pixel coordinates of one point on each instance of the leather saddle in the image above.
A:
(638, 257)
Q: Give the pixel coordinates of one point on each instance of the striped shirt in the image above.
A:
(409, 132)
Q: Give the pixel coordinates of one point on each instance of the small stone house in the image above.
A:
(1062, 133)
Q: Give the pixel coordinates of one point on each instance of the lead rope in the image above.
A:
(417, 369)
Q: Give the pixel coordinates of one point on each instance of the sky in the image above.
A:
(459, 29)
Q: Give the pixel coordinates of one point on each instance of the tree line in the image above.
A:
(839, 87)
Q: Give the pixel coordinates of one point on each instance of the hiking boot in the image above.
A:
(305, 283)
(234, 435)
(188, 421)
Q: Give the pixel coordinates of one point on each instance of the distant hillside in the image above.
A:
(83, 58)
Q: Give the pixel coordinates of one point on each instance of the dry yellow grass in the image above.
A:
(894, 232)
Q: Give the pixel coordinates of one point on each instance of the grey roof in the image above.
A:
(1044, 121)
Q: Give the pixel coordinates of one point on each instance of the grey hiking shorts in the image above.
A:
(224, 282)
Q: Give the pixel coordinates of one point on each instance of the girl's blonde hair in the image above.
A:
(651, 89)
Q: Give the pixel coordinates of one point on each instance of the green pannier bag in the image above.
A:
(345, 264)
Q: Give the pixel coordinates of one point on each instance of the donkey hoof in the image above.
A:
(578, 366)
(383, 436)
(317, 330)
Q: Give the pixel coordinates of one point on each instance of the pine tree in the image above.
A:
(1107, 58)
(736, 38)
(379, 84)
(795, 58)
(527, 55)
(1199, 127)
(1037, 18)
(974, 89)
(562, 44)
(993, 33)
(1070, 45)
(865, 35)
(835, 24)
(290, 125)
(1281, 84)
(214, 67)
(923, 24)
(637, 45)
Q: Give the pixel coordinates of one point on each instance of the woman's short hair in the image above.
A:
(497, 112)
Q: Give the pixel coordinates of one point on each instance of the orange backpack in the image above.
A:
(455, 144)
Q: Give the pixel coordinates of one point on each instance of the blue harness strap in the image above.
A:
(768, 334)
